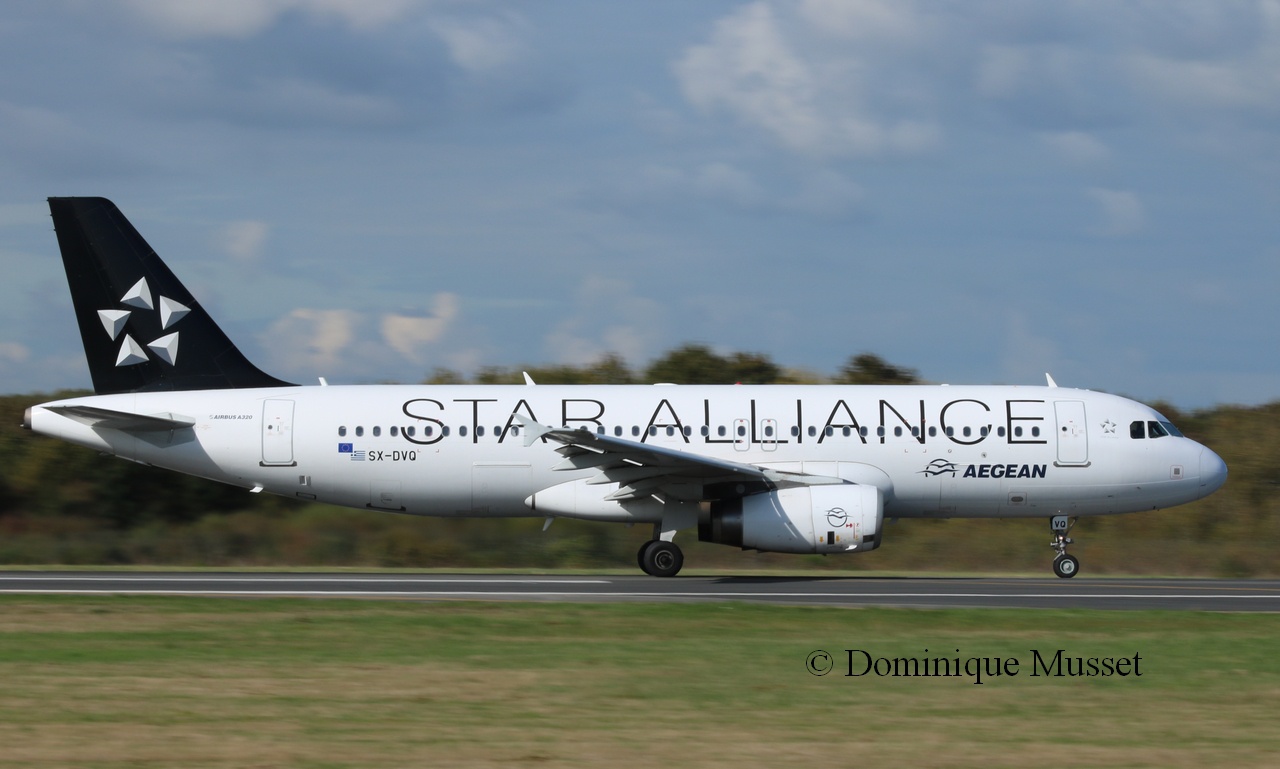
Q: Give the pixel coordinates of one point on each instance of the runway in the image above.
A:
(921, 592)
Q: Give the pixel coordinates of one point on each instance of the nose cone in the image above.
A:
(1213, 471)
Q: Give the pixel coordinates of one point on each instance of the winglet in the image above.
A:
(532, 430)
(1049, 378)
(528, 379)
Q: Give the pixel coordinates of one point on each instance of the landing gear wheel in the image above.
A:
(1066, 566)
(640, 555)
(662, 559)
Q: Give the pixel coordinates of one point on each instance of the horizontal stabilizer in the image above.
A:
(123, 420)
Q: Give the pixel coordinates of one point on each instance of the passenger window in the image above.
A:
(1155, 430)
(394, 431)
(342, 431)
(880, 431)
(359, 431)
(983, 431)
(795, 431)
(813, 431)
(897, 432)
(768, 431)
(444, 431)
(863, 432)
(1017, 431)
(462, 431)
(720, 431)
(967, 432)
(846, 432)
(635, 431)
(428, 431)
(933, 432)
(1000, 431)
(410, 430)
(618, 431)
(741, 431)
(1035, 432)
(951, 431)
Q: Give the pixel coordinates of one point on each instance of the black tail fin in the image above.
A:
(142, 330)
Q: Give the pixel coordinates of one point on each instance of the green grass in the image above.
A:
(215, 682)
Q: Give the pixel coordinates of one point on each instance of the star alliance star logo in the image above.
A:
(139, 297)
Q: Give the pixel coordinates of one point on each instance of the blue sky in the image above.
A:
(368, 189)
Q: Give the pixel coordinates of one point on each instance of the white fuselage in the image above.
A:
(933, 451)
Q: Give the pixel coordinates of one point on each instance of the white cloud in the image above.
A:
(244, 18)
(1122, 212)
(482, 44)
(14, 352)
(409, 334)
(243, 240)
(770, 72)
(311, 340)
(814, 192)
(1077, 146)
(880, 20)
(607, 318)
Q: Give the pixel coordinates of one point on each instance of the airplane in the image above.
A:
(772, 468)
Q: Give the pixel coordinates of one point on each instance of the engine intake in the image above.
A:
(809, 519)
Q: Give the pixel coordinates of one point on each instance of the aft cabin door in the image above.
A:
(1073, 439)
(277, 433)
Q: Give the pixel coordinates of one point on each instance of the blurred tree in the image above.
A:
(698, 364)
(866, 368)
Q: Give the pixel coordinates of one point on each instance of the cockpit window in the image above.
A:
(1154, 428)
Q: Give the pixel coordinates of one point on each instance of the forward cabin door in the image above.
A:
(1073, 439)
(277, 433)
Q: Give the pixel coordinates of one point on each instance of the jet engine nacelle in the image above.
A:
(809, 519)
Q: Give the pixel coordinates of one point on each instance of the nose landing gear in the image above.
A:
(1065, 566)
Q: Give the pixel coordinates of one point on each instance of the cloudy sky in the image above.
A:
(369, 189)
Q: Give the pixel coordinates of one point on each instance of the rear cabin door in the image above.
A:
(277, 433)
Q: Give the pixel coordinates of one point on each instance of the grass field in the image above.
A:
(216, 682)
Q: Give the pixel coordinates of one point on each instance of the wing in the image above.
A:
(643, 470)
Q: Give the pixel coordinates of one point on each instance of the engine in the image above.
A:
(809, 519)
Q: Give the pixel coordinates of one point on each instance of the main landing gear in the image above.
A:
(658, 558)
(1065, 566)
